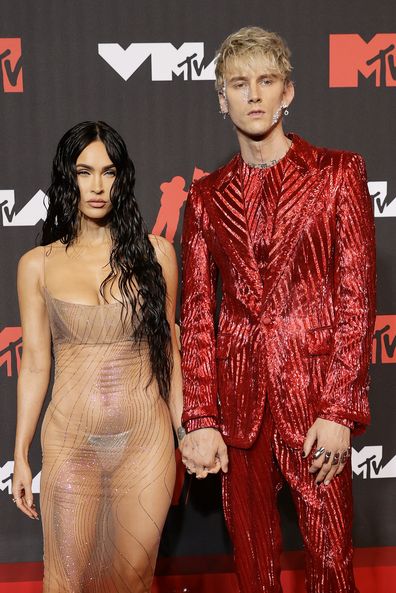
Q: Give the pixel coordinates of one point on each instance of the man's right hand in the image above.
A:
(204, 452)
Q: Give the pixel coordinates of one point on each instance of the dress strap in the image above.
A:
(44, 265)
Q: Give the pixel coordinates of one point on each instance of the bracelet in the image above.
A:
(181, 433)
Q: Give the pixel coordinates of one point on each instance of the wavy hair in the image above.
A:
(132, 260)
(247, 43)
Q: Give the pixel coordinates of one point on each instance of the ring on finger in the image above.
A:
(336, 459)
(344, 457)
(327, 456)
(188, 470)
(319, 452)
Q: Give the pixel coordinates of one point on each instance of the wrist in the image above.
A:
(21, 453)
(180, 433)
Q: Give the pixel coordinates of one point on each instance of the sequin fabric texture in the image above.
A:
(296, 326)
(294, 246)
(108, 456)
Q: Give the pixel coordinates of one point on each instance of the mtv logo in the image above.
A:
(166, 60)
(34, 211)
(11, 64)
(368, 463)
(11, 349)
(384, 340)
(383, 205)
(350, 55)
(6, 472)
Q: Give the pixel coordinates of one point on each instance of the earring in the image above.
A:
(285, 110)
(223, 113)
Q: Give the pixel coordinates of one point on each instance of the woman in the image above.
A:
(105, 291)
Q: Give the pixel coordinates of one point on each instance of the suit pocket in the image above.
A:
(318, 341)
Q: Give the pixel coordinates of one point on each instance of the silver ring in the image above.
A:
(319, 452)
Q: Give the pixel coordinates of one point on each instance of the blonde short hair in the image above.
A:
(250, 41)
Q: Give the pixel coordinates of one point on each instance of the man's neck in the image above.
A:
(266, 149)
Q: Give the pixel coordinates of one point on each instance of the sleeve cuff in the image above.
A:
(197, 423)
(343, 421)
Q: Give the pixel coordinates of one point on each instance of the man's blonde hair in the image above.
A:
(251, 41)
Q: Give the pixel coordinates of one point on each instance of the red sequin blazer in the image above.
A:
(299, 333)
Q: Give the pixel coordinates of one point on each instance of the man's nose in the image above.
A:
(254, 94)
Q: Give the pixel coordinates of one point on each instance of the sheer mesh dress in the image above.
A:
(108, 455)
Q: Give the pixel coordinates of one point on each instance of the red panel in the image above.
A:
(375, 570)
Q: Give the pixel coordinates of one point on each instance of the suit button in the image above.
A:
(266, 320)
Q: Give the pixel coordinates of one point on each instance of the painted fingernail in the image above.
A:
(303, 455)
(327, 482)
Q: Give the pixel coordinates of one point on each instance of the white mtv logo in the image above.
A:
(383, 206)
(6, 472)
(368, 463)
(166, 60)
(34, 211)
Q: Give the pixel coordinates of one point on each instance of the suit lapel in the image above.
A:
(228, 215)
(301, 186)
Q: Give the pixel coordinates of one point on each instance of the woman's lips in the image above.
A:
(97, 203)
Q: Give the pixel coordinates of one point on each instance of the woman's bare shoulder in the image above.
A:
(32, 261)
(163, 248)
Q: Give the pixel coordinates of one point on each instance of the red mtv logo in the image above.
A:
(351, 55)
(173, 197)
(384, 342)
(11, 349)
(11, 65)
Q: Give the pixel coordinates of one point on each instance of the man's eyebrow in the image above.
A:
(241, 77)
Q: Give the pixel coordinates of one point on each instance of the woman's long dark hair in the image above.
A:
(132, 259)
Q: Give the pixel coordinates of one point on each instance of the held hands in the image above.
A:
(22, 489)
(204, 452)
(331, 451)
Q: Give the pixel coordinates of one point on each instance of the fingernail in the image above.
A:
(303, 455)
(327, 482)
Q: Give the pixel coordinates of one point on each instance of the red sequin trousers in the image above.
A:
(324, 513)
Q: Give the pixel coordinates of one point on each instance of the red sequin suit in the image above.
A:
(293, 343)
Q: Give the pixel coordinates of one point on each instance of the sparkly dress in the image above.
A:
(108, 456)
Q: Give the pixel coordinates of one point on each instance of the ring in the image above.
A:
(327, 456)
(344, 456)
(336, 459)
(319, 452)
(188, 470)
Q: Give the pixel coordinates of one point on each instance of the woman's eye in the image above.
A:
(82, 172)
(110, 173)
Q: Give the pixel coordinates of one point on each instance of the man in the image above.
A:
(282, 382)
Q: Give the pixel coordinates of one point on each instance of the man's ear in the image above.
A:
(288, 92)
(223, 102)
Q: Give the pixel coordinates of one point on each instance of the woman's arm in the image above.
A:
(34, 372)
(166, 257)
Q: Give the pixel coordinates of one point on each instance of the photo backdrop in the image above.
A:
(147, 69)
